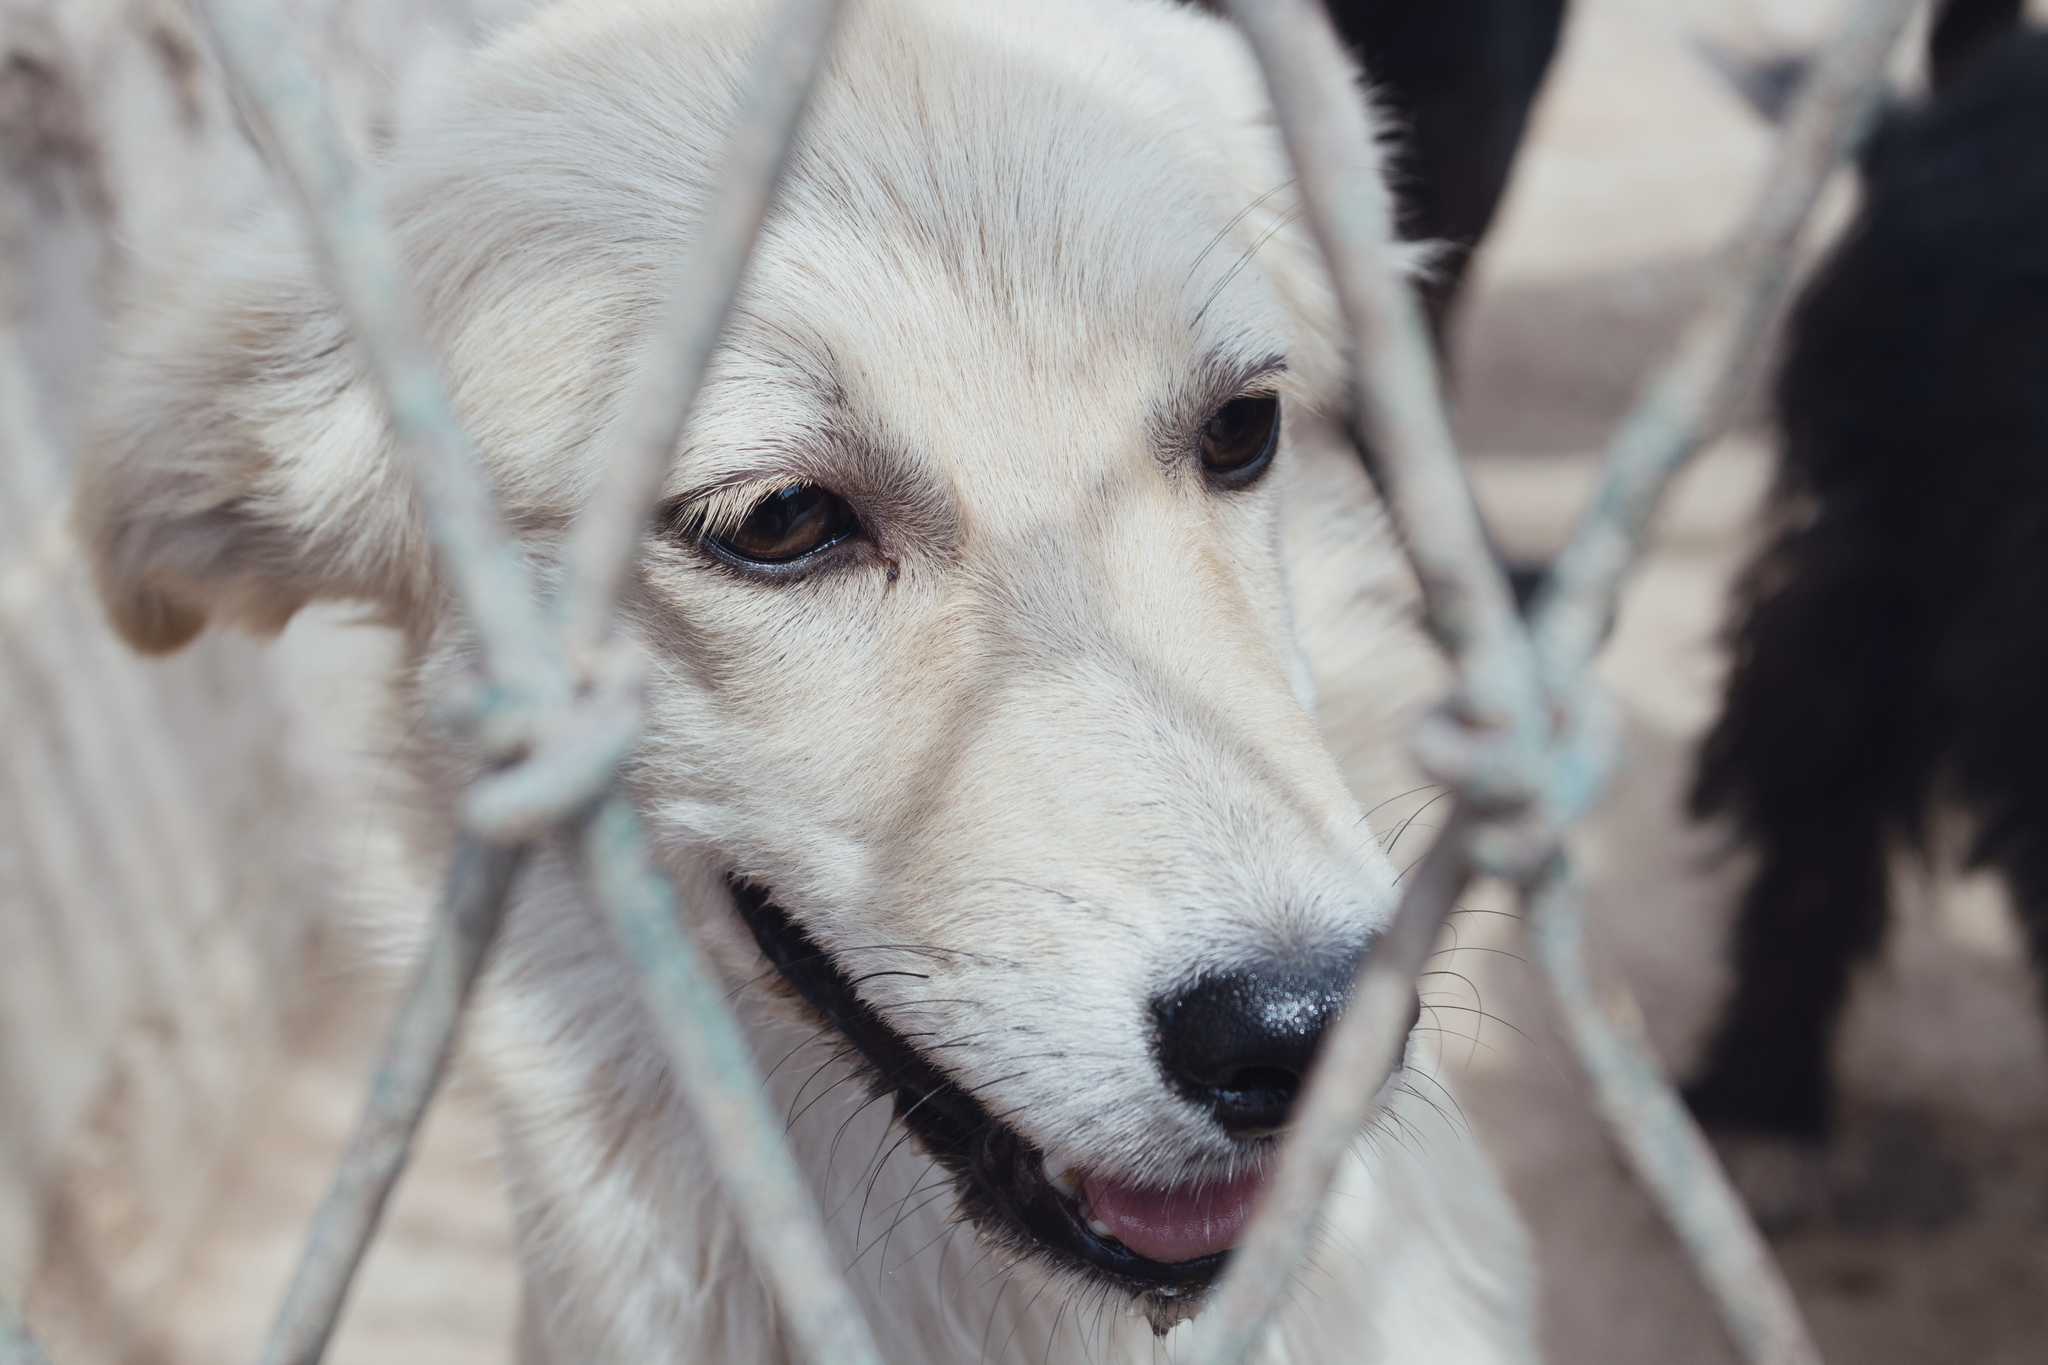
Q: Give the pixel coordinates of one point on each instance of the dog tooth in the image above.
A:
(1060, 1175)
(1095, 1225)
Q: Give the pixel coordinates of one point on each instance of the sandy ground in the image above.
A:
(1920, 1236)
(439, 1286)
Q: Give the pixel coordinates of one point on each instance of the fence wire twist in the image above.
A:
(538, 709)
(1523, 743)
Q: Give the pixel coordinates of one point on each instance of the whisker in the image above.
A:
(816, 1034)
(1018, 1322)
(1456, 1115)
(1286, 220)
(1476, 948)
(881, 1239)
(1224, 235)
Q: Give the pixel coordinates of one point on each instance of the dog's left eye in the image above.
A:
(788, 524)
(1238, 442)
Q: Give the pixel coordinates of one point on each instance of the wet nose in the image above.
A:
(1239, 1042)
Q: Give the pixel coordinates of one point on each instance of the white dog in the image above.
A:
(984, 738)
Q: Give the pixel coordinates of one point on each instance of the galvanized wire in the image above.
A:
(1658, 1137)
(1394, 380)
(1335, 1104)
(287, 102)
(17, 1345)
(1469, 608)
(415, 1055)
(531, 705)
(1502, 689)
(708, 278)
(1693, 398)
(745, 1137)
(1689, 403)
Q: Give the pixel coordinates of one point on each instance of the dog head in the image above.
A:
(974, 680)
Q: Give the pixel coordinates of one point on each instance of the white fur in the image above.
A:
(1055, 725)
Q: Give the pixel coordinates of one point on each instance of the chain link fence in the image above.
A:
(1523, 743)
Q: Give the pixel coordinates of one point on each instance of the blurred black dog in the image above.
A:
(1458, 78)
(1891, 643)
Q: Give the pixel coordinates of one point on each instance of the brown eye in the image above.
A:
(788, 524)
(1238, 442)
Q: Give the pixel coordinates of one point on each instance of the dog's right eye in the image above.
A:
(787, 525)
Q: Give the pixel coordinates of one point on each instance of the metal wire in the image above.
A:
(1470, 611)
(1393, 373)
(707, 280)
(1658, 1137)
(1695, 395)
(1468, 607)
(1335, 1104)
(531, 704)
(287, 102)
(415, 1055)
(1689, 403)
(17, 1345)
(745, 1137)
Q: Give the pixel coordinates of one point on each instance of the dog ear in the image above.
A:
(239, 462)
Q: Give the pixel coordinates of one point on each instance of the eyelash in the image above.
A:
(842, 530)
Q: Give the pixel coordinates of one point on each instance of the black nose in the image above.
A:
(1238, 1043)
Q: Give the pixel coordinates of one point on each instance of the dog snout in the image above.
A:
(1239, 1042)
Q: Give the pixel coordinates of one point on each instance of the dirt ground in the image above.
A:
(1920, 1236)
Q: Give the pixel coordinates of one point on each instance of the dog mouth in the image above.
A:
(1163, 1245)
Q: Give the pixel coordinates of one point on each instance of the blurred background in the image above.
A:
(186, 1019)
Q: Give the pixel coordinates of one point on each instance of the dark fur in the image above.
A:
(1459, 77)
(1891, 645)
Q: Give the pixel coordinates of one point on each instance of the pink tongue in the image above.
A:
(1180, 1222)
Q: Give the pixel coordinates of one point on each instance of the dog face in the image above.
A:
(974, 682)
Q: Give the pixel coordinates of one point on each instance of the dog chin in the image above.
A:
(1163, 1246)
